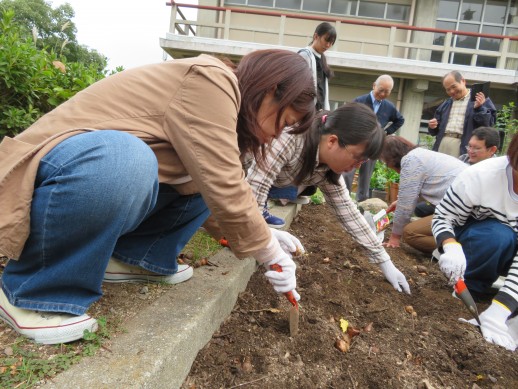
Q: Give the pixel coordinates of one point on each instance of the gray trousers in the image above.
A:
(364, 180)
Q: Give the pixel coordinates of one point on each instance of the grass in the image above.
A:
(25, 364)
(201, 245)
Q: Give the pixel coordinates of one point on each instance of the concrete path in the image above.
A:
(160, 345)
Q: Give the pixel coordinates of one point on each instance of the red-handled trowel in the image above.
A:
(462, 292)
(294, 310)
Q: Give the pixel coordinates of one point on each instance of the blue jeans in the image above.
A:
(97, 194)
(288, 193)
(490, 247)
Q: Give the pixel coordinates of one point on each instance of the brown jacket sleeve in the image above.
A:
(201, 125)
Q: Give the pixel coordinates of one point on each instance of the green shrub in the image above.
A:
(33, 81)
(506, 122)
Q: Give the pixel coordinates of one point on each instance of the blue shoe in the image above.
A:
(272, 220)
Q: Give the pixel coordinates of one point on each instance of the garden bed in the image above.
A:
(430, 348)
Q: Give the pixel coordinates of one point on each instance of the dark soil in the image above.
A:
(253, 347)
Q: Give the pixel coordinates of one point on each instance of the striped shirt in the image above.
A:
(424, 173)
(284, 162)
(457, 115)
(483, 191)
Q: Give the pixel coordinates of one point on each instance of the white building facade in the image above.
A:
(415, 41)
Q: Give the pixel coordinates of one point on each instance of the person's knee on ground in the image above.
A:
(489, 247)
(418, 234)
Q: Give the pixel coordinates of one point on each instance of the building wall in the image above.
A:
(416, 97)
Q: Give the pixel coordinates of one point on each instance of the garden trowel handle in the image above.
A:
(289, 295)
(462, 292)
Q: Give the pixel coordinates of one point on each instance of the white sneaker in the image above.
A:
(301, 200)
(118, 271)
(45, 327)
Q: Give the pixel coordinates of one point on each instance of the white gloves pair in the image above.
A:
(279, 252)
(493, 325)
(453, 262)
(394, 276)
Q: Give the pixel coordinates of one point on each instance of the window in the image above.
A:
(288, 4)
(495, 12)
(316, 6)
(479, 16)
(362, 8)
(448, 9)
(371, 10)
(261, 3)
(397, 12)
(471, 10)
(343, 7)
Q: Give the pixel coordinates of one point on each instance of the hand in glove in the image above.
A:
(272, 254)
(453, 262)
(288, 242)
(285, 280)
(394, 276)
(494, 329)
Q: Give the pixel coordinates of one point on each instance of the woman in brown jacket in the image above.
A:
(129, 169)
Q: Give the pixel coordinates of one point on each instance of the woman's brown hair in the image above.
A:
(262, 71)
(394, 149)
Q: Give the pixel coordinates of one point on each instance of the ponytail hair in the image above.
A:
(353, 124)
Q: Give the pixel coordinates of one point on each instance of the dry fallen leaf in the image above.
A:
(352, 332)
(343, 344)
(421, 269)
(409, 309)
(344, 325)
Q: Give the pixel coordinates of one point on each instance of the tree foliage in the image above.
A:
(34, 80)
(52, 29)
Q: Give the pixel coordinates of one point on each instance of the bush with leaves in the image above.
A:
(506, 122)
(33, 81)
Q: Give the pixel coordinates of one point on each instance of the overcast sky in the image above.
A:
(125, 31)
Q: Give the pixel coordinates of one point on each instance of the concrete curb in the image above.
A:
(161, 343)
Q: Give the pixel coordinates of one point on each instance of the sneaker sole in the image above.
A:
(176, 278)
(277, 226)
(52, 335)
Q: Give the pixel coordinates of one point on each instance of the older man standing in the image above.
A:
(386, 113)
(455, 118)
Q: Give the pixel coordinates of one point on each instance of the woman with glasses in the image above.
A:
(423, 174)
(338, 142)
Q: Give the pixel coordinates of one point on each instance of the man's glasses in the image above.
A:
(474, 149)
(358, 161)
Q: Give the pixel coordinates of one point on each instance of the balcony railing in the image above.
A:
(367, 38)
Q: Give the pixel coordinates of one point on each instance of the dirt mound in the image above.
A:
(429, 348)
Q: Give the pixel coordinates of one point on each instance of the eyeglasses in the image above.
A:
(358, 161)
(474, 150)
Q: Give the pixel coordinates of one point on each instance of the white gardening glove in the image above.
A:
(288, 242)
(394, 276)
(285, 280)
(494, 327)
(453, 262)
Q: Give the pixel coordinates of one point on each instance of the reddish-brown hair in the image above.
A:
(394, 149)
(263, 71)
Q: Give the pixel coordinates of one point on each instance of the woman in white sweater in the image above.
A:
(423, 174)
